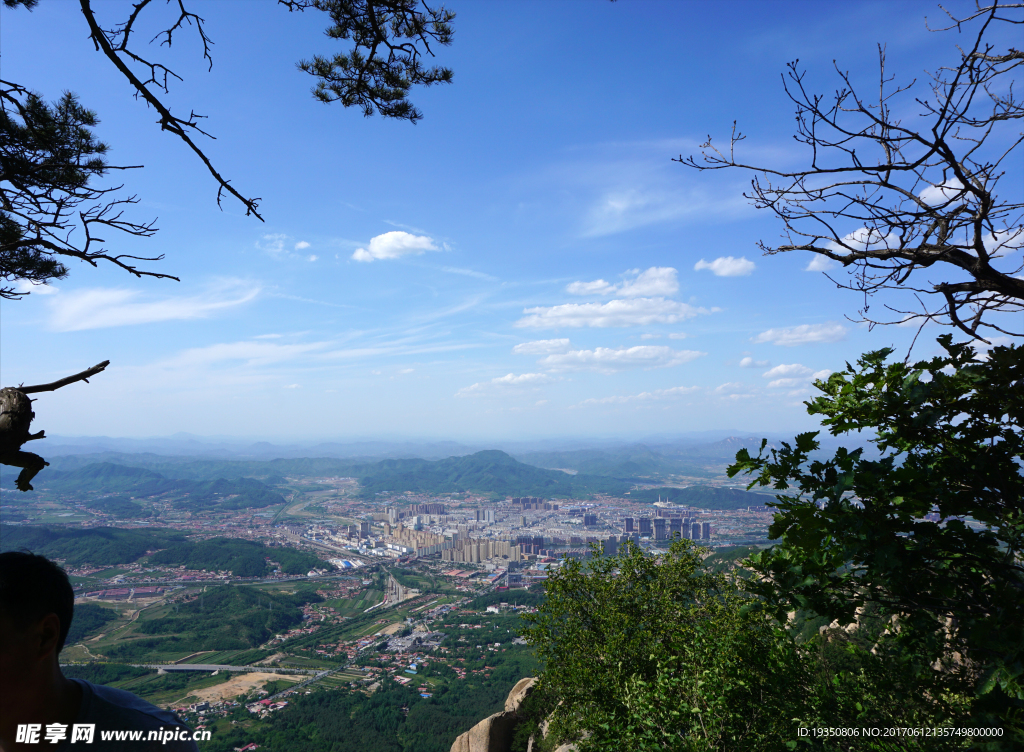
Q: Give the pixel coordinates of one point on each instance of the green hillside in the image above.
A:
(221, 618)
(243, 558)
(107, 477)
(490, 471)
(635, 461)
(98, 546)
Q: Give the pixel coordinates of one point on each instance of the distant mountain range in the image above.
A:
(108, 478)
(368, 450)
(552, 472)
(202, 483)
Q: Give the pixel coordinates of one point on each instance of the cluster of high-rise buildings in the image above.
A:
(521, 527)
(663, 528)
(532, 502)
(476, 550)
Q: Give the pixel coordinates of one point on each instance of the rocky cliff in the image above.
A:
(494, 733)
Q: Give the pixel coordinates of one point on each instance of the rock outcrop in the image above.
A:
(494, 733)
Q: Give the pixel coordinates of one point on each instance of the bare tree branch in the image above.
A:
(54, 385)
(888, 200)
(113, 44)
(16, 420)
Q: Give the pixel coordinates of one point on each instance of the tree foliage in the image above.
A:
(50, 206)
(932, 532)
(666, 654)
(390, 38)
(649, 654)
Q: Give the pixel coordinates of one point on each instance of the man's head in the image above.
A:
(31, 589)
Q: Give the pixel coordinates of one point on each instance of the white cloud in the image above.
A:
(793, 369)
(104, 307)
(793, 375)
(865, 238)
(787, 383)
(609, 360)
(542, 347)
(650, 336)
(272, 243)
(819, 264)
(394, 244)
(505, 383)
(803, 334)
(313, 257)
(291, 386)
(656, 281)
(934, 195)
(24, 286)
(597, 287)
(677, 335)
(657, 394)
(1004, 243)
(749, 362)
(276, 244)
(635, 312)
(727, 266)
(735, 391)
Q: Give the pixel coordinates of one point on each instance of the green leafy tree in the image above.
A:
(644, 653)
(931, 534)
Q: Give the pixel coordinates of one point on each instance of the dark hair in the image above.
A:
(32, 586)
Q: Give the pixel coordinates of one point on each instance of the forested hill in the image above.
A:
(105, 477)
(487, 472)
(108, 546)
(490, 471)
(634, 461)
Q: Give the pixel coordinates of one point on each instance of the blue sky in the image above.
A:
(527, 261)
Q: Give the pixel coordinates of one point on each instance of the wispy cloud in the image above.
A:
(656, 281)
(104, 307)
(820, 264)
(468, 273)
(394, 244)
(542, 347)
(648, 202)
(735, 391)
(657, 394)
(727, 266)
(610, 360)
(506, 383)
(749, 362)
(614, 313)
(803, 334)
(279, 245)
(789, 376)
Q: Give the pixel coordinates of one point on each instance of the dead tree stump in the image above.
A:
(16, 420)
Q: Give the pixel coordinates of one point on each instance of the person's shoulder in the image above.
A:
(114, 710)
